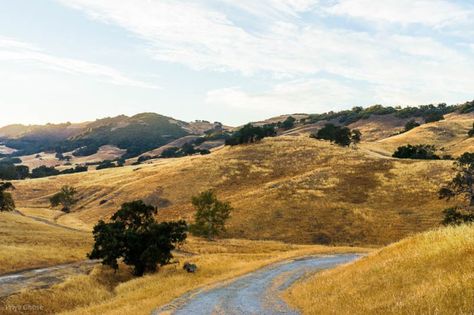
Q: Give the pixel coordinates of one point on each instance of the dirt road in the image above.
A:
(255, 293)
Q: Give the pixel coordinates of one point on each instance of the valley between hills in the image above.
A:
(292, 196)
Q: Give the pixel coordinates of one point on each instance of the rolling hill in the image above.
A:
(332, 195)
(136, 134)
(289, 188)
(430, 273)
(450, 136)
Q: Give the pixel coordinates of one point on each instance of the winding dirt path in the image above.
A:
(42, 277)
(255, 293)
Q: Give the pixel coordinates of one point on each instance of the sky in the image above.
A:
(231, 61)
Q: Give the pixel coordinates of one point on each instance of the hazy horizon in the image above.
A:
(229, 61)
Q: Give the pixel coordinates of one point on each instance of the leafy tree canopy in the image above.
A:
(420, 151)
(134, 235)
(6, 199)
(65, 197)
(461, 185)
(340, 135)
(211, 215)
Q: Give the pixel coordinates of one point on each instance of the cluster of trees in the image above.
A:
(10, 171)
(190, 148)
(288, 123)
(185, 150)
(86, 151)
(250, 134)
(133, 234)
(110, 164)
(461, 186)
(419, 151)
(411, 124)
(340, 135)
(429, 113)
(45, 171)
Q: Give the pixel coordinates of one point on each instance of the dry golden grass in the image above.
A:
(103, 292)
(430, 273)
(25, 243)
(289, 188)
(106, 152)
(449, 136)
(47, 214)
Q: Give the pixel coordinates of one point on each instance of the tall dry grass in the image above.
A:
(293, 189)
(25, 243)
(430, 273)
(103, 292)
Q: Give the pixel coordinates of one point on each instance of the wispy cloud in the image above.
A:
(19, 51)
(289, 44)
(434, 13)
(291, 96)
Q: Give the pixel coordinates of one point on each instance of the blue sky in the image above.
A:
(230, 61)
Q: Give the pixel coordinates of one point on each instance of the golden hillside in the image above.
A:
(293, 189)
(448, 135)
(430, 273)
(25, 243)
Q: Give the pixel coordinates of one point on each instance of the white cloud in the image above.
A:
(426, 12)
(273, 8)
(201, 36)
(18, 51)
(294, 96)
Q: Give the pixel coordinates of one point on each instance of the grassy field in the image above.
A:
(449, 136)
(106, 152)
(104, 292)
(291, 188)
(430, 273)
(25, 243)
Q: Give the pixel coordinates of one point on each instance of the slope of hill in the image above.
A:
(49, 159)
(136, 134)
(25, 243)
(450, 136)
(430, 273)
(294, 189)
(42, 132)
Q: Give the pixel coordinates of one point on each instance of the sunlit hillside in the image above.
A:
(26, 243)
(286, 188)
(448, 135)
(105, 292)
(430, 273)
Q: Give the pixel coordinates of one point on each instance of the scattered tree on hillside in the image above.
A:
(11, 171)
(6, 199)
(65, 197)
(250, 134)
(462, 185)
(288, 123)
(342, 136)
(356, 136)
(434, 116)
(420, 151)
(44, 171)
(411, 124)
(134, 235)
(471, 131)
(211, 215)
(105, 164)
